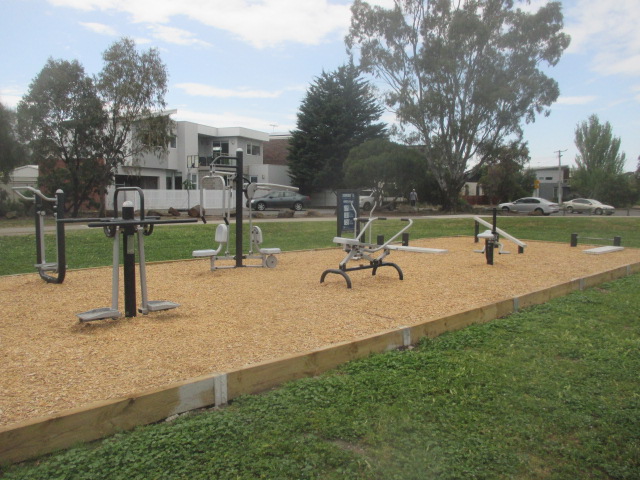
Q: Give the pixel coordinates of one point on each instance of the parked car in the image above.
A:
(579, 205)
(280, 199)
(530, 204)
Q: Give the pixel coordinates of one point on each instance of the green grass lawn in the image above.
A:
(551, 392)
(89, 248)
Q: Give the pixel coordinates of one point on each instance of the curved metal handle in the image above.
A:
(35, 191)
(129, 189)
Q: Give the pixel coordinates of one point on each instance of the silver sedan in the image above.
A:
(530, 205)
(580, 205)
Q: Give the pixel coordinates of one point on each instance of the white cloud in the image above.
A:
(201, 90)
(10, 96)
(260, 23)
(100, 28)
(176, 36)
(609, 32)
(230, 119)
(576, 100)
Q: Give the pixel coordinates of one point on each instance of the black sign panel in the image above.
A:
(348, 204)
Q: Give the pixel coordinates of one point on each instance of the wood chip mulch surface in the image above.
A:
(234, 317)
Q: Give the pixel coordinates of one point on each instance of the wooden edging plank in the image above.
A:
(39, 436)
(43, 435)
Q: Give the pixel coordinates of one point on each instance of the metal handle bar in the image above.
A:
(129, 189)
(35, 191)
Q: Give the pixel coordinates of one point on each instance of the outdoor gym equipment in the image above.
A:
(223, 177)
(617, 241)
(129, 226)
(59, 267)
(616, 247)
(218, 182)
(358, 249)
(492, 238)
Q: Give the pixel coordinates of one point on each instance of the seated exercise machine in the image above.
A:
(223, 179)
(129, 226)
(358, 249)
(221, 236)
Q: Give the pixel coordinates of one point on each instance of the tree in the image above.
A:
(62, 119)
(383, 165)
(338, 113)
(82, 129)
(12, 152)
(599, 161)
(505, 176)
(461, 76)
(132, 87)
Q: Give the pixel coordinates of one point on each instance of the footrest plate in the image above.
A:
(47, 267)
(157, 305)
(98, 314)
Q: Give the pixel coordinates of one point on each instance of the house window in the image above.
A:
(169, 183)
(223, 146)
(173, 142)
(253, 149)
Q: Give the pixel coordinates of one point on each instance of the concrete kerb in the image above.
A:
(43, 435)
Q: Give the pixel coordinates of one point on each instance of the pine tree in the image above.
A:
(338, 113)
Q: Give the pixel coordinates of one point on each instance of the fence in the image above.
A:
(178, 199)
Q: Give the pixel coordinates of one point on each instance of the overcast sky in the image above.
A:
(248, 63)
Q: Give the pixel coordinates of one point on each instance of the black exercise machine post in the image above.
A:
(490, 242)
(239, 166)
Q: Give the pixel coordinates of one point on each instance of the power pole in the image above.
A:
(560, 152)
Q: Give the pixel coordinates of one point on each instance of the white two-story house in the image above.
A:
(190, 153)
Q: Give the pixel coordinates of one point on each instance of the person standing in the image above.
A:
(413, 199)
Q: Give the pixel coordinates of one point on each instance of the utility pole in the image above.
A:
(560, 152)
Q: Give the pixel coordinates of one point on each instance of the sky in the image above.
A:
(249, 63)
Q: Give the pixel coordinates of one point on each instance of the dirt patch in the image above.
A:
(230, 318)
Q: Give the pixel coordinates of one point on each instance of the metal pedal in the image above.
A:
(158, 305)
(98, 314)
(47, 267)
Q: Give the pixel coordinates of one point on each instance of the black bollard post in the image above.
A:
(476, 231)
(617, 241)
(574, 240)
(380, 239)
(128, 247)
(405, 239)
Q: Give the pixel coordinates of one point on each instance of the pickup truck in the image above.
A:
(367, 200)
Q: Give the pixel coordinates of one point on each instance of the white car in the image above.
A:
(579, 205)
(530, 205)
